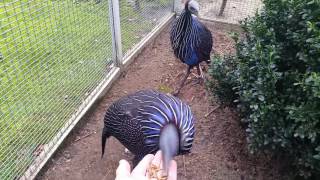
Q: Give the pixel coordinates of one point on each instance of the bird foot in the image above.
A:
(195, 75)
(197, 81)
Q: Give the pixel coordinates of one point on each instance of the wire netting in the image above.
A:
(227, 11)
(140, 17)
(53, 55)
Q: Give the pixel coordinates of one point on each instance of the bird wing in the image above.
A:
(140, 121)
(206, 42)
(122, 122)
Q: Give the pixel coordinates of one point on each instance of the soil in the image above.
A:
(219, 150)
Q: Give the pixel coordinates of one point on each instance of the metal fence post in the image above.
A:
(114, 11)
(174, 6)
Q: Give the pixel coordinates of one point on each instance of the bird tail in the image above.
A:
(169, 144)
(105, 136)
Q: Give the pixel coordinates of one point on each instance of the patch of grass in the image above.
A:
(165, 89)
(53, 54)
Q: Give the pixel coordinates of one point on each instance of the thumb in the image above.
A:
(123, 169)
(172, 174)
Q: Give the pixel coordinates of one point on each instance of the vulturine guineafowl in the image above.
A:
(147, 121)
(190, 39)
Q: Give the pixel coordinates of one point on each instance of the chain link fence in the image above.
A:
(226, 11)
(55, 57)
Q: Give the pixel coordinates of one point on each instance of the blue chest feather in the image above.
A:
(193, 60)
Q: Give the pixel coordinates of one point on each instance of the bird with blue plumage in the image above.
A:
(191, 40)
(148, 121)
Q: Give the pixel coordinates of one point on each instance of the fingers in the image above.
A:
(123, 169)
(157, 159)
(172, 174)
(141, 168)
(172, 170)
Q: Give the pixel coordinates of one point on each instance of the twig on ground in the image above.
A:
(208, 114)
(85, 136)
(184, 166)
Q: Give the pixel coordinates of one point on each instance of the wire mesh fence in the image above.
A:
(226, 11)
(54, 57)
(140, 17)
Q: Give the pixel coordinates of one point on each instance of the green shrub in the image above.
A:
(224, 70)
(277, 81)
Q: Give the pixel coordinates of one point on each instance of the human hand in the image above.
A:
(140, 172)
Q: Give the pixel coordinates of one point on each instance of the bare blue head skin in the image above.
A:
(169, 144)
(192, 6)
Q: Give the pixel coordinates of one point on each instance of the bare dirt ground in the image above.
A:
(219, 151)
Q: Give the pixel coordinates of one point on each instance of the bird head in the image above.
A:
(173, 143)
(192, 6)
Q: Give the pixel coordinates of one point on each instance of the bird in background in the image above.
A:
(191, 40)
(147, 121)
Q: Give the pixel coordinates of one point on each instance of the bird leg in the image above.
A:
(182, 82)
(200, 77)
(200, 72)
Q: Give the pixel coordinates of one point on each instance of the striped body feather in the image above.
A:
(137, 120)
(190, 39)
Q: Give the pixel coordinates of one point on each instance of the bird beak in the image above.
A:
(196, 13)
